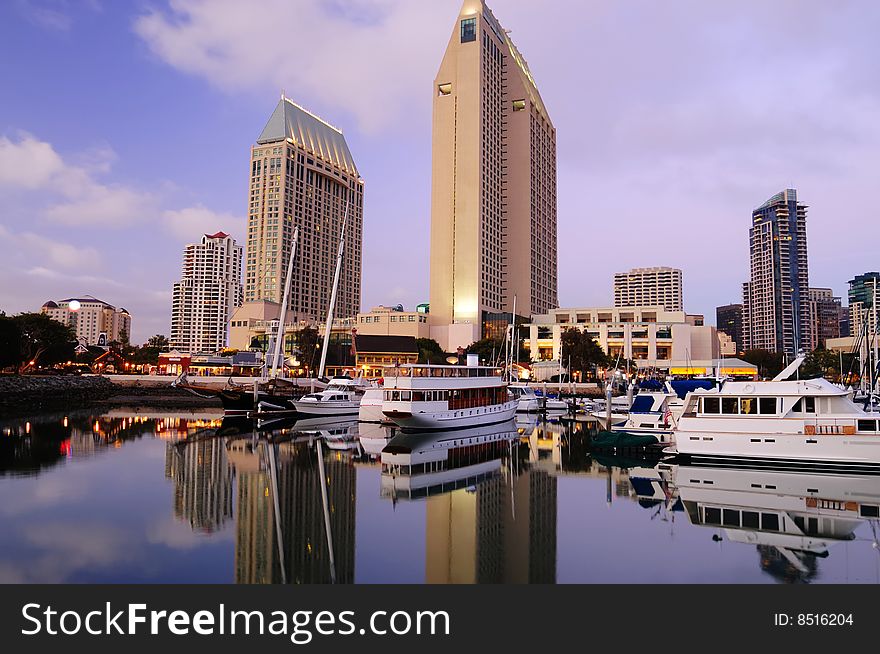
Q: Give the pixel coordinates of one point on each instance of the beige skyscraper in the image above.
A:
(301, 174)
(643, 287)
(493, 197)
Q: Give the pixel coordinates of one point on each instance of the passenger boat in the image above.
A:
(432, 397)
(785, 424)
(420, 465)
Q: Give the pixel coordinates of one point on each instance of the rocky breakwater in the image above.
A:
(29, 394)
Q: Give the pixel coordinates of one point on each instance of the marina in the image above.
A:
(191, 496)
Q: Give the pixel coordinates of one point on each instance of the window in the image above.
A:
(712, 516)
(867, 425)
(519, 105)
(444, 89)
(711, 405)
(729, 405)
(468, 30)
(769, 522)
(750, 519)
(767, 406)
(748, 406)
(868, 511)
(731, 518)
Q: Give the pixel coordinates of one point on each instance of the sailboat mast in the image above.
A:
(874, 338)
(285, 301)
(329, 326)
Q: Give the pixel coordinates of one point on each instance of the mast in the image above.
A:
(514, 341)
(874, 338)
(285, 300)
(329, 326)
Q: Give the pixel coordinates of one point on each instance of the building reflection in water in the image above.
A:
(202, 479)
(489, 517)
(283, 517)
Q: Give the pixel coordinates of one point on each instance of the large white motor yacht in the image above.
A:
(787, 424)
(429, 397)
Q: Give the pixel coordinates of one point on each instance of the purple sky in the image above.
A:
(125, 129)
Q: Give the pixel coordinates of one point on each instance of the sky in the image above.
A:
(125, 130)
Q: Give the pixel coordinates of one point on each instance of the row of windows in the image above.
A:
(741, 406)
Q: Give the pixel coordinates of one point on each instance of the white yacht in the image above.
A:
(531, 402)
(785, 424)
(342, 397)
(430, 397)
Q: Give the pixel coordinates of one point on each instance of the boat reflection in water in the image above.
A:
(792, 518)
(489, 518)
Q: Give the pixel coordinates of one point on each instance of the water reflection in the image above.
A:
(287, 502)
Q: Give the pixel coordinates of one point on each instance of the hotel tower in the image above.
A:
(301, 174)
(493, 195)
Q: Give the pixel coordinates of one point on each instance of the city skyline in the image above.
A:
(97, 153)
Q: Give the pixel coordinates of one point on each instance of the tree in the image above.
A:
(159, 341)
(306, 341)
(492, 351)
(43, 341)
(123, 336)
(10, 342)
(430, 351)
(821, 363)
(769, 363)
(581, 352)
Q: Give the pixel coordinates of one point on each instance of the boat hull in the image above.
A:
(348, 408)
(453, 419)
(782, 451)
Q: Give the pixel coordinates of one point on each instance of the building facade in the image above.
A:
(207, 294)
(652, 336)
(493, 185)
(302, 174)
(94, 321)
(863, 289)
(824, 316)
(649, 287)
(393, 321)
(728, 319)
(776, 308)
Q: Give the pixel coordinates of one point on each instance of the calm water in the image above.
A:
(155, 497)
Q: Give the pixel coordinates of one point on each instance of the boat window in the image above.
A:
(810, 404)
(750, 519)
(405, 396)
(767, 406)
(729, 405)
(748, 406)
(769, 522)
(867, 425)
(868, 511)
(395, 396)
(712, 516)
(798, 406)
(418, 396)
(731, 518)
(711, 405)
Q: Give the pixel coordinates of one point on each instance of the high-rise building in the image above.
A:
(208, 292)
(824, 315)
(302, 174)
(493, 187)
(94, 321)
(861, 301)
(776, 308)
(728, 319)
(648, 287)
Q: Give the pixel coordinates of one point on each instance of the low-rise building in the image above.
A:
(393, 321)
(651, 336)
(373, 353)
(94, 321)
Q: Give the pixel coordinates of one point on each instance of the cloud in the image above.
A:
(29, 164)
(190, 223)
(368, 56)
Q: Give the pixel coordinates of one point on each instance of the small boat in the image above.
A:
(531, 402)
(342, 397)
(434, 397)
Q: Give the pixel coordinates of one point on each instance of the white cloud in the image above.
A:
(189, 224)
(368, 56)
(29, 164)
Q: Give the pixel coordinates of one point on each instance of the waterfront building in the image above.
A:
(493, 184)
(208, 292)
(776, 308)
(652, 336)
(302, 174)
(824, 316)
(728, 345)
(649, 287)
(728, 320)
(393, 321)
(94, 321)
(373, 353)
